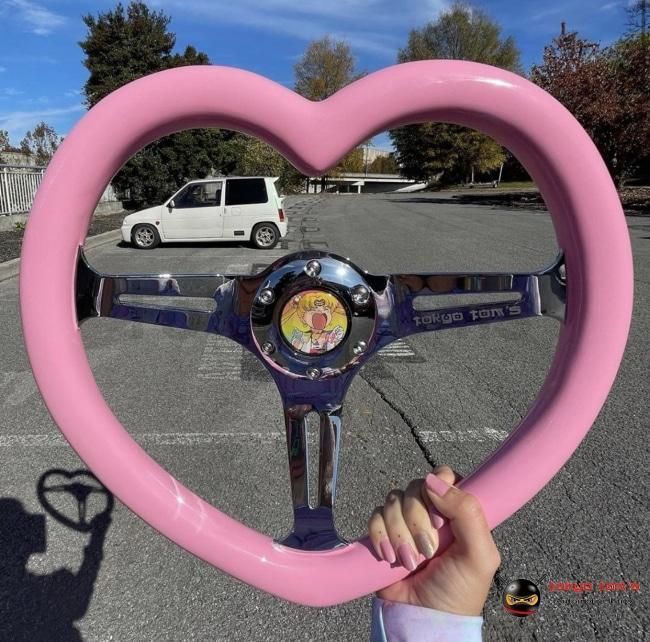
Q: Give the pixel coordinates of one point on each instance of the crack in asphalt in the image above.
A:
(410, 424)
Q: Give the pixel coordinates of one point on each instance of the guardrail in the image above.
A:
(18, 185)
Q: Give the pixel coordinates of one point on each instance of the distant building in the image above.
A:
(371, 153)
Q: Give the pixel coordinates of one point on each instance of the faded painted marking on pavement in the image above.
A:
(148, 439)
(397, 349)
(221, 359)
(20, 385)
(481, 434)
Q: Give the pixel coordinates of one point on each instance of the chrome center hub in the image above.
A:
(312, 313)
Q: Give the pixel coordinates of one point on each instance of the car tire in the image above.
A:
(145, 237)
(265, 236)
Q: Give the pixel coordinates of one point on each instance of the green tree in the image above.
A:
(122, 45)
(384, 165)
(462, 33)
(4, 143)
(253, 157)
(327, 66)
(353, 161)
(41, 143)
(426, 150)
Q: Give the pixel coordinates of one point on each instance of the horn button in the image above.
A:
(315, 314)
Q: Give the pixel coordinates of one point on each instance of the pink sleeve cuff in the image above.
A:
(397, 622)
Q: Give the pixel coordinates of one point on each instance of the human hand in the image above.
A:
(459, 579)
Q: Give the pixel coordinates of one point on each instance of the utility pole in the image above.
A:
(638, 17)
(366, 155)
(643, 8)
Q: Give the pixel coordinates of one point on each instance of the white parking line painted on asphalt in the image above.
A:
(147, 439)
(398, 348)
(202, 438)
(20, 386)
(247, 268)
(481, 434)
(221, 359)
(238, 268)
(31, 441)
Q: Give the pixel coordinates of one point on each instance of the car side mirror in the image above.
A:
(171, 205)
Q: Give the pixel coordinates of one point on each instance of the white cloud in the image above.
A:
(546, 13)
(39, 19)
(10, 91)
(27, 59)
(18, 123)
(376, 26)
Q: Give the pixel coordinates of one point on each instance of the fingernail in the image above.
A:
(436, 485)
(387, 551)
(436, 518)
(425, 545)
(407, 557)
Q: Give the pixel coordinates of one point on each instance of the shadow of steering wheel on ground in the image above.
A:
(36, 607)
(518, 200)
(196, 245)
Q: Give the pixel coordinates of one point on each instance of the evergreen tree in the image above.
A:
(122, 45)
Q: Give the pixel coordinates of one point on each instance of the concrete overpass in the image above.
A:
(358, 182)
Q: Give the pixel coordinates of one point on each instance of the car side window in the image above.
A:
(246, 191)
(200, 195)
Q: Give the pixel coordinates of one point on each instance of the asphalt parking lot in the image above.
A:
(208, 412)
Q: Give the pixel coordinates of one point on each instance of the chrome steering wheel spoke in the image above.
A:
(214, 303)
(313, 522)
(536, 294)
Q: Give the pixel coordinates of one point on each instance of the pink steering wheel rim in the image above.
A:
(563, 161)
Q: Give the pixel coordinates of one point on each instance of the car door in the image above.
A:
(197, 212)
(247, 203)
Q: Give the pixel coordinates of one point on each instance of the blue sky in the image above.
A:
(41, 71)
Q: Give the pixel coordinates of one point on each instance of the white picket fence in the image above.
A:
(18, 185)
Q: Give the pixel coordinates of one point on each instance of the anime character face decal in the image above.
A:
(314, 322)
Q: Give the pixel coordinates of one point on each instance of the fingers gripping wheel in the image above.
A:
(307, 328)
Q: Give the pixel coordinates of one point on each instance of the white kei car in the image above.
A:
(213, 209)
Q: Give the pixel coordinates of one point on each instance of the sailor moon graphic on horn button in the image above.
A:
(314, 322)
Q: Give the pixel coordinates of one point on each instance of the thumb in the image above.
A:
(464, 512)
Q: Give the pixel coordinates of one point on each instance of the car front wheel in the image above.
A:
(265, 236)
(145, 237)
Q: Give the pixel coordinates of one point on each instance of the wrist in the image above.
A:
(468, 602)
(399, 621)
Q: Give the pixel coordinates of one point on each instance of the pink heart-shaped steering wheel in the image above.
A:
(597, 291)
